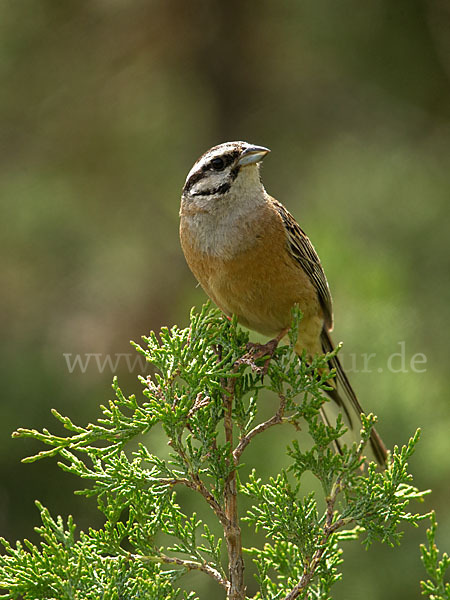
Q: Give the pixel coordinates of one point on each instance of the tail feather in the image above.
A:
(346, 399)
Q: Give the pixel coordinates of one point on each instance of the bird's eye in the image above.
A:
(218, 164)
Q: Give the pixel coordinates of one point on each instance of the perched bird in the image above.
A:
(254, 261)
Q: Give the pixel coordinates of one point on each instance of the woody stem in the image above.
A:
(232, 530)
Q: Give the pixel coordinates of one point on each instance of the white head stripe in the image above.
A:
(215, 152)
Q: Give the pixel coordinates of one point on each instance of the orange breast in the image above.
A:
(260, 284)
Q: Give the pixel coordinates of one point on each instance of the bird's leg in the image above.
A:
(256, 351)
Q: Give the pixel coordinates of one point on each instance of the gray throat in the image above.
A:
(222, 226)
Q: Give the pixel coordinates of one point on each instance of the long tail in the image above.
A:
(346, 399)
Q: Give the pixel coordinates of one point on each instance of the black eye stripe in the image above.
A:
(228, 158)
(234, 173)
(193, 180)
(221, 189)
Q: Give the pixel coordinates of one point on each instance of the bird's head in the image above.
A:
(223, 171)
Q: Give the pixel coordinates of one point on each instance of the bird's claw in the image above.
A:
(257, 351)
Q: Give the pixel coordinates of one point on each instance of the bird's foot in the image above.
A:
(257, 351)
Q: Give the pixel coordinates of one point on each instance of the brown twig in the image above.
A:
(187, 564)
(198, 485)
(232, 532)
(275, 420)
(328, 529)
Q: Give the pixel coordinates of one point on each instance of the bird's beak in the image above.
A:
(252, 155)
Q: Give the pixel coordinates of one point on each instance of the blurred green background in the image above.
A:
(104, 107)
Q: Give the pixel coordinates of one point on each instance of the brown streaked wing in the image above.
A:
(304, 253)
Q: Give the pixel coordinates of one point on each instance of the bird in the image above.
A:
(255, 262)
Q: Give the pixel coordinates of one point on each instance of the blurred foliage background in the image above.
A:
(106, 104)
